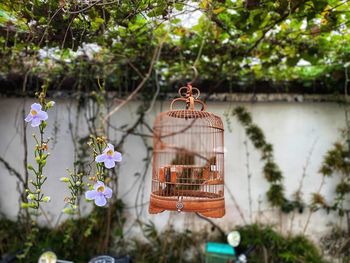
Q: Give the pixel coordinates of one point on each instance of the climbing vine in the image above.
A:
(336, 163)
(272, 172)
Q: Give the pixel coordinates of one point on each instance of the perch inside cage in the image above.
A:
(188, 161)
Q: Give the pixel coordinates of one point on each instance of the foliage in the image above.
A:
(336, 163)
(76, 187)
(336, 243)
(168, 246)
(68, 239)
(272, 172)
(233, 44)
(270, 246)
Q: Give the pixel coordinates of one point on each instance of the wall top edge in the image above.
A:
(216, 97)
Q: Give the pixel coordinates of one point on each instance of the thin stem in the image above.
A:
(298, 192)
(236, 204)
(249, 176)
(311, 210)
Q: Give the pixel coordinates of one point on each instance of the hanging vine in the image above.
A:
(336, 162)
(272, 172)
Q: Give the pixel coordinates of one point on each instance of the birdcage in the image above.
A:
(188, 160)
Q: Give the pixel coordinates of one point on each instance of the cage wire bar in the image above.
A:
(188, 160)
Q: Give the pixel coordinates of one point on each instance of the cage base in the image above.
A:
(211, 207)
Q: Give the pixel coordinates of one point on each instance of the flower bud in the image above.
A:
(37, 159)
(30, 167)
(78, 183)
(50, 104)
(38, 190)
(68, 210)
(46, 199)
(43, 124)
(43, 162)
(45, 147)
(30, 197)
(24, 205)
(108, 179)
(64, 179)
(32, 205)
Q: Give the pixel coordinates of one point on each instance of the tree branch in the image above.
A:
(141, 84)
(12, 170)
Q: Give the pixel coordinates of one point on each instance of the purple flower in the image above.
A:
(36, 115)
(99, 194)
(109, 156)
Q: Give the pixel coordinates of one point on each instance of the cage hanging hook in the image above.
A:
(190, 96)
(189, 90)
(195, 75)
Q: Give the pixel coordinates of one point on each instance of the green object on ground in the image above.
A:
(218, 252)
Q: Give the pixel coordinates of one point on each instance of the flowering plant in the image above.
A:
(109, 157)
(38, 117)
(99, 193)
(105, 157)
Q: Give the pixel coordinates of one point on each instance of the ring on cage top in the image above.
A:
(188, 160)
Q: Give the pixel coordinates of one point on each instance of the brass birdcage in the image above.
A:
(188, 160)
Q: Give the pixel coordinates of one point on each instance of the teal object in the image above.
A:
(218, 252)
(220, 248)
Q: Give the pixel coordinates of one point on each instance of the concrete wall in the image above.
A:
(297, 130)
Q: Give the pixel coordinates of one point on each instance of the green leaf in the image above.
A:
(219, 10)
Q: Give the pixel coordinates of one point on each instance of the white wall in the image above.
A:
(294, 129)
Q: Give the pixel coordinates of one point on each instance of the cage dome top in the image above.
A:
(189, 95)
